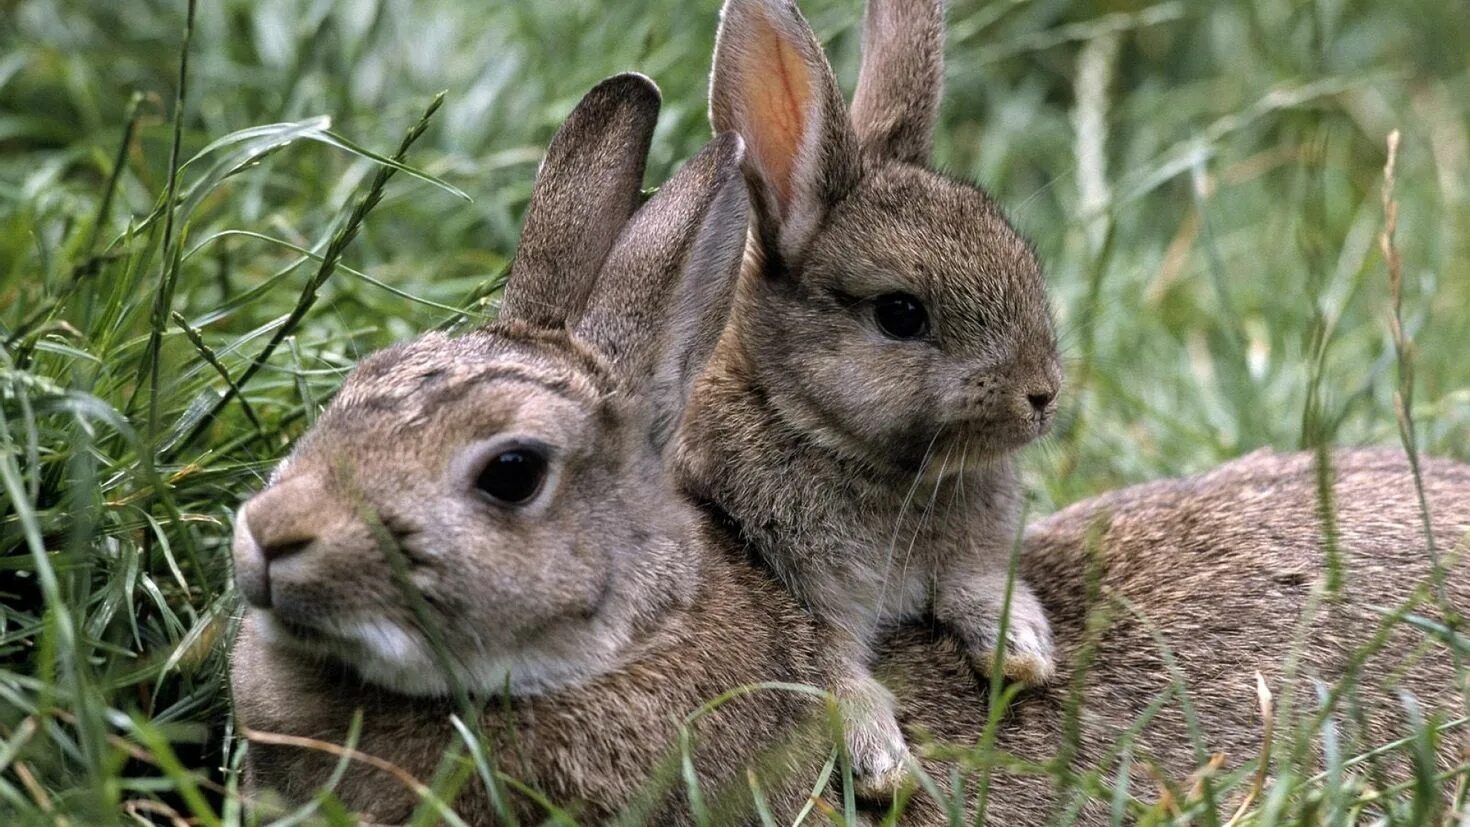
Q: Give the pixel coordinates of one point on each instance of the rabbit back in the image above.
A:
(1193, 586)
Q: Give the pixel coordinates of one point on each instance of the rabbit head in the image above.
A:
(489, 511)
(889, 309)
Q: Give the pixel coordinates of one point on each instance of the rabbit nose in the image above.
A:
(278, 547)
(1039, 401)
(279, 522)
(252, 566)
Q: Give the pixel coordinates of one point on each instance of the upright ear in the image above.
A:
(897, 98)
(666, 288)
(585, 191)
(772, 84)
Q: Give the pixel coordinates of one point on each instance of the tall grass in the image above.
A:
(192, 254)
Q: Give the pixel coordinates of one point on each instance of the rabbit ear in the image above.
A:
(897, 98)
(666, 288)
(706, 295)
(585, 191)
(772, 84)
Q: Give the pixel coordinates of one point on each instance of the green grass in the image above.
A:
(1206, 198)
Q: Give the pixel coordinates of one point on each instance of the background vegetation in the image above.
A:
(1202, 180)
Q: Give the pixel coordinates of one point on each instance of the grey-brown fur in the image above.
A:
(872, 474)
(1221, 567)
(588, 180)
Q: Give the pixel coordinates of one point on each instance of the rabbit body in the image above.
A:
(1220, 568)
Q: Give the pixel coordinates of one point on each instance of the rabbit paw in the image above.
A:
(1030, 656)
(875, 746)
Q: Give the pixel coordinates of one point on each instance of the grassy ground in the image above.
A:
(1202, 180)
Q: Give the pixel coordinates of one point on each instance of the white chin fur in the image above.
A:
(386, 654)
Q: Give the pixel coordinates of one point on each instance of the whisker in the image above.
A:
(903, 509)
(923, 518)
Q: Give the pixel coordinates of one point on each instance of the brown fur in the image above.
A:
(895, 496)
(593, 748)
(1221, 568)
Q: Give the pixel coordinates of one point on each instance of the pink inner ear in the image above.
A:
(777, 92)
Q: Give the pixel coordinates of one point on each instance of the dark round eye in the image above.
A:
(901, 316)
(513, 477)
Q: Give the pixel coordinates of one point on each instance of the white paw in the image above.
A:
(1030, 655)
(875, 745)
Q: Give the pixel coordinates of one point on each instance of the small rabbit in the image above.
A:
(890, 349)
(490, 514)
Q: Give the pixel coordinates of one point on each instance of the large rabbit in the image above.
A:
(489, 514)
(889, 351)
(1216, 571)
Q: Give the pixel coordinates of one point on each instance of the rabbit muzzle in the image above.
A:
(996, 412)
(284, 526)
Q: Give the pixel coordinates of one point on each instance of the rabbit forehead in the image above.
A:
(437, 360)
(909, 229)
(438, 393)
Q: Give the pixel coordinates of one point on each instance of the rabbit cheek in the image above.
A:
(893, 401)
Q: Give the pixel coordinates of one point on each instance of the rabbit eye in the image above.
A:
(512, 477)
(901, 316)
